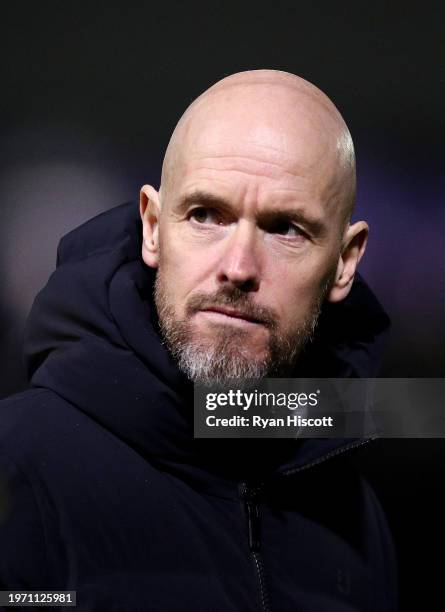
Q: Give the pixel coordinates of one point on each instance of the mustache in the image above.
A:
(237, 299)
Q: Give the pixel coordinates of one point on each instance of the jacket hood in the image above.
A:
(91, 338)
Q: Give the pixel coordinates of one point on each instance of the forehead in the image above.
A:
(258, 139)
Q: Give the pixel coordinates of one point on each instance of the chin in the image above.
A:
(241, 341)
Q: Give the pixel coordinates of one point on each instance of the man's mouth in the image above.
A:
(230, 315)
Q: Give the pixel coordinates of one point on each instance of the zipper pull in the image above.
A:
(253, 517)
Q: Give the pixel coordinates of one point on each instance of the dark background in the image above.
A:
(90, 93)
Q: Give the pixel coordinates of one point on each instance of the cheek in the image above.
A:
(295, 292)
(175, 251)
(179, 272)
(292, 281)
(190, 263)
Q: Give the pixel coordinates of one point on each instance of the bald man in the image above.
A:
(250, 229)
(242, 265)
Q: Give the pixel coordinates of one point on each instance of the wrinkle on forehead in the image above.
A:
(247, 105)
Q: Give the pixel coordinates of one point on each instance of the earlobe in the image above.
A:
(342, 283)
(150, 212)
(340, 288)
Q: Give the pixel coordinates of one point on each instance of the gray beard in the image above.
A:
(224, 361)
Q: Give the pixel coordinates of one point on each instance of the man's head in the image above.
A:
(250, 230)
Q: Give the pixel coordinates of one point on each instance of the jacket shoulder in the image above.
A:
(23, 553)
(24, 556)
(40, 433)
(28, 417)
(26, 400)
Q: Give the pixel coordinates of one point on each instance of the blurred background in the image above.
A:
(90, 93)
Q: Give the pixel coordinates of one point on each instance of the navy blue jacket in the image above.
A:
(104, 490)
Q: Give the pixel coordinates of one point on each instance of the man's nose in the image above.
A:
(239, 264)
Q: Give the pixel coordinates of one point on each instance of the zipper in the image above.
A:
(260, 573)
(249, 494)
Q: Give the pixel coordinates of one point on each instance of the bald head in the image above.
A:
(273, 111)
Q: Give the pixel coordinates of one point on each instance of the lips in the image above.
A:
(231, 312)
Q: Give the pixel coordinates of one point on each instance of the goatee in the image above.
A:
(226, 358)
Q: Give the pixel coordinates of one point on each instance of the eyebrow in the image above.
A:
(205, 198)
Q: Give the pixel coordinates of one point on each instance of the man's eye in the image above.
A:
(202, 215)
(286, 228)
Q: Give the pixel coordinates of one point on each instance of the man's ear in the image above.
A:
(150, 209)
(353, 246)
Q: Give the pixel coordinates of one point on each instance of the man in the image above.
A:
(250, 253)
